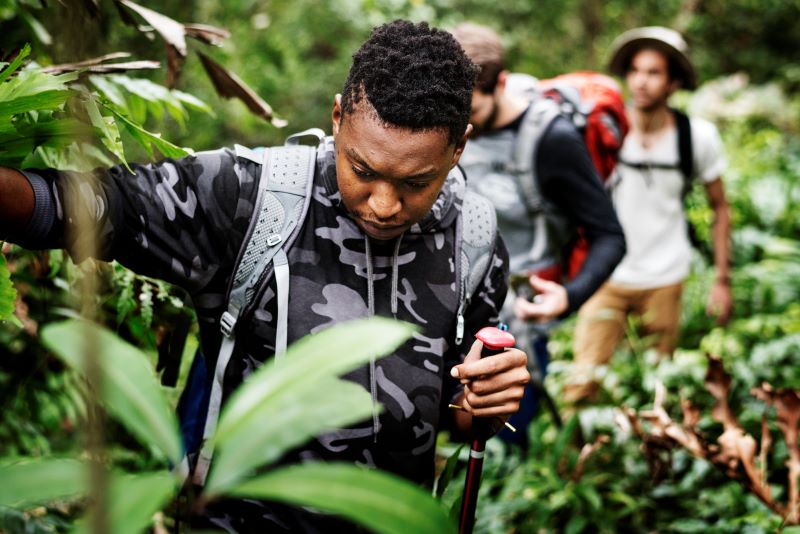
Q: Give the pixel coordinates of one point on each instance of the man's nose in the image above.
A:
(384, 200)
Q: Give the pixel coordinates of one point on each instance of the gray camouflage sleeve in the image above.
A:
(176, 220)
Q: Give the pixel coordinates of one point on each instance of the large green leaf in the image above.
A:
(36, 480)
(286, 420)
(129, 388)
(286, 403)
(149, 139)
(43, 100)
(8, 294)
(109, 133)
(134, 499)
(377, 500)
(33, 82)
(15, 64)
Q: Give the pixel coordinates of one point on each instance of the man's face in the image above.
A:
(389, 177)
(483, 111)
(649, 81)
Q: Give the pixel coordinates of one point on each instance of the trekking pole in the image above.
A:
(494, 341)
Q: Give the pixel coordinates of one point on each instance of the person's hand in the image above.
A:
(720, 302)
(549, 302)
(493, 385)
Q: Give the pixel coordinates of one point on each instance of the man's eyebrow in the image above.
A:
(352, 154)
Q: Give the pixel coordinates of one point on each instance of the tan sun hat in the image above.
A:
(666, 40)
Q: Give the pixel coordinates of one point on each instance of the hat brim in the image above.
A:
(622, 57)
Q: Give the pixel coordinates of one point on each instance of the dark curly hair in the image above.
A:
(415, 76)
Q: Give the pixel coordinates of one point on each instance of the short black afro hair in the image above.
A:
(415, 77)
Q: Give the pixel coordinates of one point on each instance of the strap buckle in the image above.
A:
(226, 324)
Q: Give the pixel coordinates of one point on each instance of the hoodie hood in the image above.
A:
(442, 214)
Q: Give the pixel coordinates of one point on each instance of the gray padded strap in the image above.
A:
(283, 198)
(294, 139)
(281, 264)
(541, 113)
(214, 406)
(475, 240)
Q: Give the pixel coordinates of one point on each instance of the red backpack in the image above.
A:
(594, 104)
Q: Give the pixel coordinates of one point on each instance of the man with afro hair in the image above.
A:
(380, 237)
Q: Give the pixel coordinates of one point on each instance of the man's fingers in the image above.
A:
(490, 365)
(506, 397)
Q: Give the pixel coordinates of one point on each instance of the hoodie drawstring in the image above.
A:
(373, 386)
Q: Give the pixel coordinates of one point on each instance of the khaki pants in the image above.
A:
(601, 326)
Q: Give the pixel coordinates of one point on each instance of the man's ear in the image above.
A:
(460, 146)
(501, 82)
(336, 114)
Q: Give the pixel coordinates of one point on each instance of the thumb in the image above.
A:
(540, 285)
(473, 355)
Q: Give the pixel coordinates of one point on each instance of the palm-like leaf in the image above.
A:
(129, 391)
(285, 404)
(381, 502)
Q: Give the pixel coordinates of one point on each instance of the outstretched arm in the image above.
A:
(16, 202)
(720, 302)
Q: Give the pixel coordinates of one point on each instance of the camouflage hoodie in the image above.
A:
(184, 221)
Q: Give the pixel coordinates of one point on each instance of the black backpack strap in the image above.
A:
(685, 155)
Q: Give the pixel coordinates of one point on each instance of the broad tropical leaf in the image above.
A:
(379, 501)
(8, 295)
(130, 391)
(35, 480)
(265, 416)
(288, 419)
(133, 499)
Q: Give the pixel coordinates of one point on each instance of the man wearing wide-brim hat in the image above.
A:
(664, 153)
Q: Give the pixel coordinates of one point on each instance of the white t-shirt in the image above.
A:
(650, 207)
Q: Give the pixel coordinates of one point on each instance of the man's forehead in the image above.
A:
(364, 119)
(649, 53)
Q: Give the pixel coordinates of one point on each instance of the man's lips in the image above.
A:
(382, 231)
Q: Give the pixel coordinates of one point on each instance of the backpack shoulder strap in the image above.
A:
(476, 233)
(685, 155)
(284, 193)
(537, 119)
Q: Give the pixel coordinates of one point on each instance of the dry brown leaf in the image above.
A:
(718, 383)
(98, 65)
(587, 451)
(787, 411)
(169, 29)
(691, 413)
(173, 33)
(229, 85)
(766, 444)
(208, 34)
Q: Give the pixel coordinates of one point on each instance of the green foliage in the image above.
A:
(133, 501)
(252, 428)
(33, 481)
(8, 295)
(292, 393)
(376, 500)
(127, 386)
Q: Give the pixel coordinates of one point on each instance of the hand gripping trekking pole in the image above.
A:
(494, 341)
